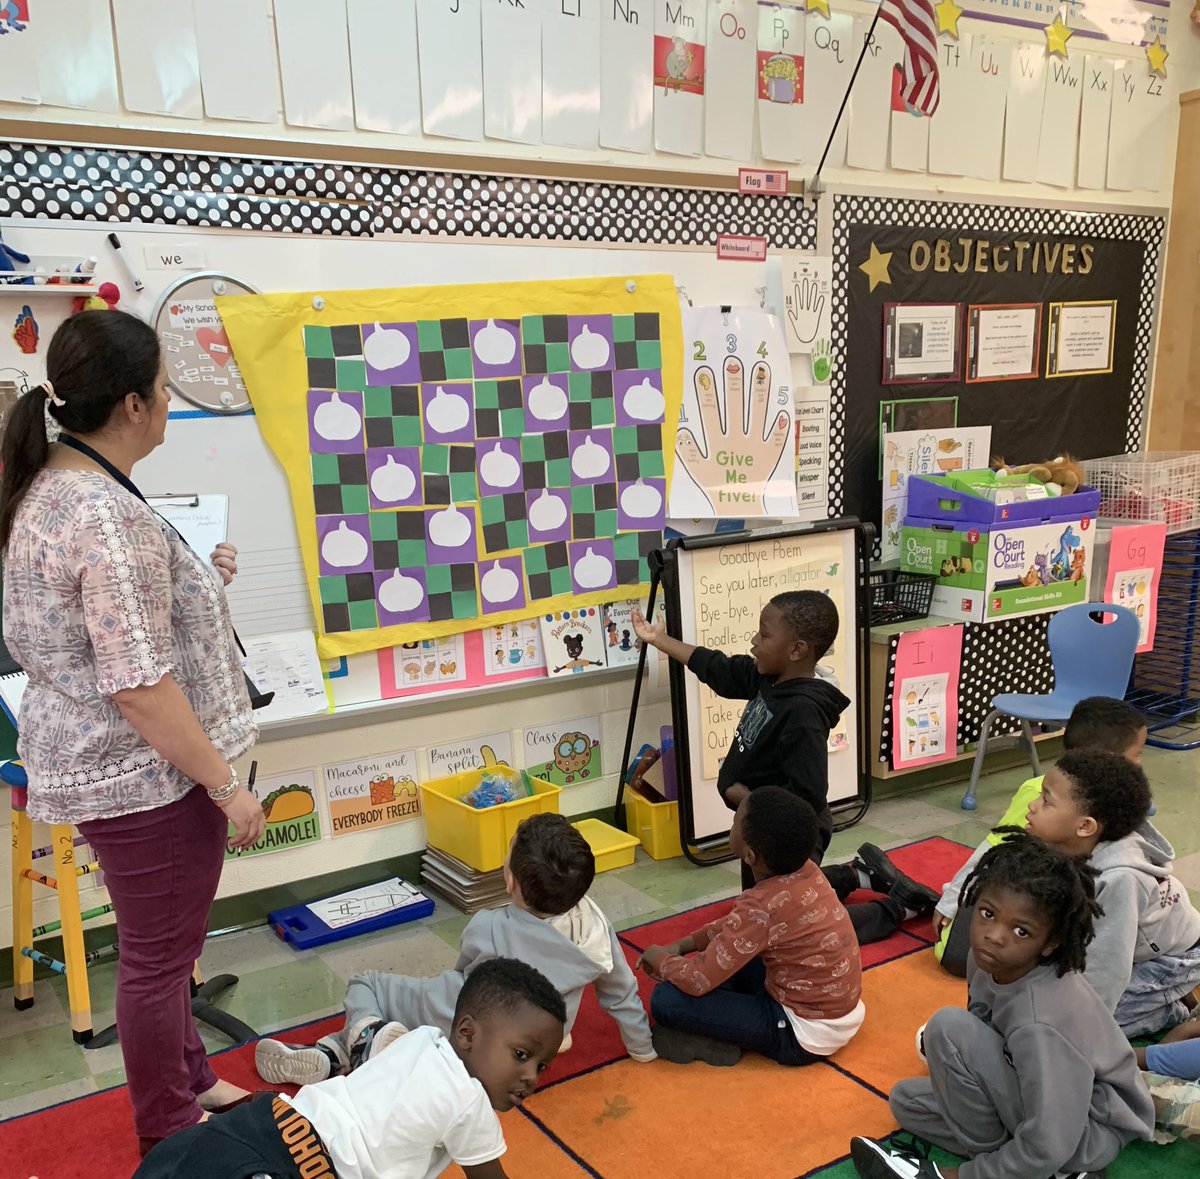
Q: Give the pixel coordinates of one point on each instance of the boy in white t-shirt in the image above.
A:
(407, 1113)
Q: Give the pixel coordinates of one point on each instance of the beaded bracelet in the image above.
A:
(223, 794)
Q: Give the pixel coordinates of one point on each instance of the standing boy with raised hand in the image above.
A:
(1145, 961)
(406, 1114)
(1099, 722)
(551, 923)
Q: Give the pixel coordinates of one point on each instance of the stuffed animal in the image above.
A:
(1062, 475)
(106, 298)
(8, 256)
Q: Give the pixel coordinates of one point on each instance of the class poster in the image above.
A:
(925, 697)
(372, 792)
(566, 753)
(1135, 560)
(293, 818)
(464, 456)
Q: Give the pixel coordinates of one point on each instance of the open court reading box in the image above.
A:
(479, 838)
(995, 561)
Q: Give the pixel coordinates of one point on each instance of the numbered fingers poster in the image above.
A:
(736, 420)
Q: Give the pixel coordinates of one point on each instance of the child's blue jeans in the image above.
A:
(739, 1011)
(1153, 1000)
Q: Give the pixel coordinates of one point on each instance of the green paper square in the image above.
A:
(464, 604)
(406, 431)
(318, 342)
(429, 335)
(518, 534)
(625, 440)
(535, 560)
(333, 590)
(383, 525)
(487, 394)
(625, 546)
(355, 501)
(351, 374)
(435, 459)
(512, 423)
(533, 448)
(581, 386)
(560, 581)
(458, 364)
(411, 554)
(623, 329)
(377, 402)
(558, 358)
(463, 488)
(603, 412)
(649, 353)
(533, 330)
(362, 616)
(583, 499)
(325, 469)
(558, 473)
(606, 522)
(491, 509)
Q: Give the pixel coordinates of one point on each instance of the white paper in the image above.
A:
(780, 79)
(1094, 114)
(812, 452)
(512, 72)
(239, 72)
(680, 31)
(20, 48)
(361, 904)
(986, 88)
(1003, 343)
(829, 56)
(515, 646)
(627, 75)
(869, 108)
(314, 61)
(1081, 338)
(571, 73)
(730, 83)
(1141, 116)
(450, 49)
(287, 665)
(427, 662)
(922, 719)
(910, 142)
(924, 452)
(383, 65)
(1059, 138)
(807, 300)
(202, 520)
(923, 340)
(160, 66)
(77, 63)
(1023, 110)
(950, 127)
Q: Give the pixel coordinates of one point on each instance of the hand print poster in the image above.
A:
(735, 439)
(462, 457)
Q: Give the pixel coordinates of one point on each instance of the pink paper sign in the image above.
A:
(1134, 567)
(925, 697)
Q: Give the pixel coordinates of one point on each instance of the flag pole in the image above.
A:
(815, 184)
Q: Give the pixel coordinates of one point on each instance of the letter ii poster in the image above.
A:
(925, 697)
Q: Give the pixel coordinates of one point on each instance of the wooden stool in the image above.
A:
(65, 884)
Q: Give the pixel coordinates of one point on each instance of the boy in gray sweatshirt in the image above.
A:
(1034, 1080)
(551, 924)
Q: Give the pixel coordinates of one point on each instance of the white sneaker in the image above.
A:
(385, 1037)
(566, 1044)
(921, 1040)
(300, 1064)
(872, 1161)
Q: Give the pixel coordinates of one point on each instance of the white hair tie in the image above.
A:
(51, 395)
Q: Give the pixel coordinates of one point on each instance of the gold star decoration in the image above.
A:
(876, 266)
(947, 16)
(1057, 36)
(1156, 55)
(821, 6)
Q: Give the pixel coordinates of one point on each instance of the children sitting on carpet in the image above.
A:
(1035, 1079)
(780, 975)
(551, 923)
(1095, 723)
(407, 1114)
(1145, 961)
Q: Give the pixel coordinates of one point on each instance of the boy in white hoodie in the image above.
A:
(551, 924)
(1145, 959)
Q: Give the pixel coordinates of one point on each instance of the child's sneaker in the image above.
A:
(385, 1037)
(687, 1047)
(886, 878)
(921, 1041)
(565, 1046)
(300, 1064)
(872, 1161)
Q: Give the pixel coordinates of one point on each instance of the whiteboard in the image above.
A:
(715, 594)
(205, 455)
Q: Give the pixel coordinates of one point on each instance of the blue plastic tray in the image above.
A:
(300, 927)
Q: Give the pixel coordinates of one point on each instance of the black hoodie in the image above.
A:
(783, 734)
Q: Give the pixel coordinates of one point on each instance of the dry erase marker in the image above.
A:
(115, 242)
(253, 773)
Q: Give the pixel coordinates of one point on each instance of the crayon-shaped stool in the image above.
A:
(65, 885)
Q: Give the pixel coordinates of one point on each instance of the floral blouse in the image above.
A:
(100, 594)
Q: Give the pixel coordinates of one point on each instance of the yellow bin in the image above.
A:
(479, 838)
(656, 824)
(612, 848)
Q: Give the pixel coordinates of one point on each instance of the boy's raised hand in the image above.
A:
(651, 635)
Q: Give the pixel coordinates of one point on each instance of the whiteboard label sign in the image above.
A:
(733, 248)
(175, 257)
(193, 315)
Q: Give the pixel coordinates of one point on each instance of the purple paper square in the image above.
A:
(445, 418)
(641, 506)
(593, 566)
(450, 536)
(540, 510)
(591, 456)
(344, 543)
(496, 347)
(639, 397)
(396, 588)
(331, 422)
(390, 471)
(499, 458)
(388, 363)
(499, 576)
(591, 341)
(546, 394)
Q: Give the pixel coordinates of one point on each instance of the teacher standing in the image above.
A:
(136, 705)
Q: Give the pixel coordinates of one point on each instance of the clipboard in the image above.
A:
(202, 520)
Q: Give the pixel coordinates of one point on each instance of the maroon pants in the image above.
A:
(161, 868)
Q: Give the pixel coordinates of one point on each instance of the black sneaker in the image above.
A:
(872, 1160)
(687, 1047)
(889, 880)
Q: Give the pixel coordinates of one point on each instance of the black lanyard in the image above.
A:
(257, 699)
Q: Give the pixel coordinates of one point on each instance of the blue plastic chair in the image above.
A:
(1091, 657)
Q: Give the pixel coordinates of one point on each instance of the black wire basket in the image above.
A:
(897, 596)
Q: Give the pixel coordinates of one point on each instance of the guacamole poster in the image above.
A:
(290, 802)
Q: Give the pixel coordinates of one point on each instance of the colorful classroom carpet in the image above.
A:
(599, 1114)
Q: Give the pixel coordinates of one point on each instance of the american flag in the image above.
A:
(916, 23)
